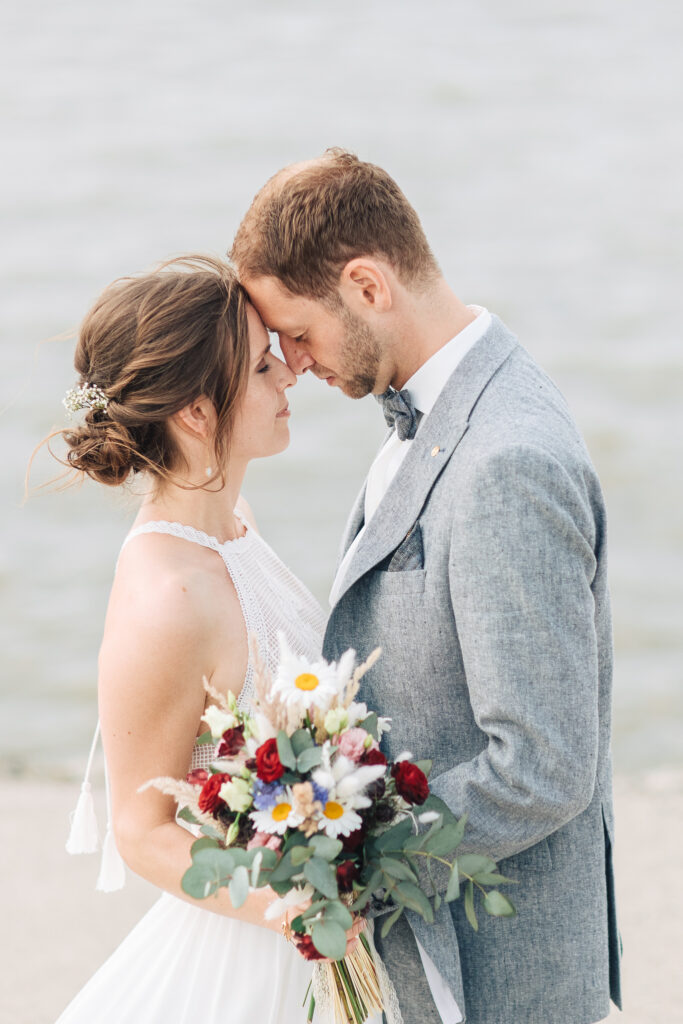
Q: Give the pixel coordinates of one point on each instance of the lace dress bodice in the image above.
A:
(271, 597)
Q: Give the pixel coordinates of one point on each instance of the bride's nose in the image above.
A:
(286, 377)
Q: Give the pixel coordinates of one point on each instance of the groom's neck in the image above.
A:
(427, 320)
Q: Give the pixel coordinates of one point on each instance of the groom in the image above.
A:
(475, 557)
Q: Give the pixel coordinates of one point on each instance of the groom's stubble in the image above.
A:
(359, 358)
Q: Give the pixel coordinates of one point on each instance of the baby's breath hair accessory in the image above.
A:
(85, 396)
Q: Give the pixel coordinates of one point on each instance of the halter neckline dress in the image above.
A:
(182, 964)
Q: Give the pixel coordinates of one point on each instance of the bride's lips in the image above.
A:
(283, 413)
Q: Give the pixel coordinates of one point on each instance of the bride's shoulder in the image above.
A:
(243, 509)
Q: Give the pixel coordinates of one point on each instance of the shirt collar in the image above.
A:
(426, 384)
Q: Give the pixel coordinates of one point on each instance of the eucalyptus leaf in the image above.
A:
(200, 881)
(443, 840)
(284, 870)
(204, 740)
(205, 843)
(469, 906)
(437, 901)
(473, 863)
(390, 921)
(453, 887)
(326, 847)
(210, 832)
(222, 862)
(314, 909)
(309, 758)
(300, 854)
(239, 886)
(371, 725)
(185, 814)
(397, 869)
(492, 878)
(329, 938)
(415, 899)
(498, 905)
(284, 749)
(322, 877)
(395, 836)
(336, 911)
(424, 766)
(301, 740)
(256, 868)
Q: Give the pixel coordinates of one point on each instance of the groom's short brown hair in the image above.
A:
(310, 219)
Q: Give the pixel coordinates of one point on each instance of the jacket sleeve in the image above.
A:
(521, 567)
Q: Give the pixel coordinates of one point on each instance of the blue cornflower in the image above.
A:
(319, 793)
(266, 794)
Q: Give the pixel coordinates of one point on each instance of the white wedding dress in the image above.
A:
(182, 964)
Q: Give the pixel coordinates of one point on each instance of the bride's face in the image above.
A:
(262, 424)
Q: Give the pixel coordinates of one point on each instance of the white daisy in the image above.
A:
(338, 819)
(278, 818)
(345, 783)
(304, 684)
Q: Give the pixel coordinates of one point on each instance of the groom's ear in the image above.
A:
(365, 285)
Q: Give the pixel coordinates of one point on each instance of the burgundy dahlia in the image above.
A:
(231, 742)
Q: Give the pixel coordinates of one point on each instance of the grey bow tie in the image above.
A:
(399, 411)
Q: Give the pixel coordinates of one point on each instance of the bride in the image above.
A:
(179, 383)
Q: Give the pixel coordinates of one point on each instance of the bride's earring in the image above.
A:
(208, 471)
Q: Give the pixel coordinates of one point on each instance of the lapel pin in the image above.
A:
(436, 450)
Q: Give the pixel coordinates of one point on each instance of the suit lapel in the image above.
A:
(435, 442)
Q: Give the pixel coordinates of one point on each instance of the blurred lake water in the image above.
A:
(541, 145)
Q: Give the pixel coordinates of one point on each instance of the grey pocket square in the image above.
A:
(409, 554)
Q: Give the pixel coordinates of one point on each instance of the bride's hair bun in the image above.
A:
(148, 347)
(102, 449)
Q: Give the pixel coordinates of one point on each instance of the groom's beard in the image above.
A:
(359, 358)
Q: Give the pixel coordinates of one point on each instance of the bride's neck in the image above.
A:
(208, 507)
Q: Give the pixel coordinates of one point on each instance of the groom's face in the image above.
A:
(334, 344)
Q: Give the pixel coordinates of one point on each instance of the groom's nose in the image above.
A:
(296, 356)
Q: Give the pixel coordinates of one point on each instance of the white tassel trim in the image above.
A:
(83, 835)
(112, 874)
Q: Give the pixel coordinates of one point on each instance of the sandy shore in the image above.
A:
(57, 929)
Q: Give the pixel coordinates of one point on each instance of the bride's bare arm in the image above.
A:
(159, 640)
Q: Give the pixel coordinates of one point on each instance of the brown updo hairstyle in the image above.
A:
(154, 344)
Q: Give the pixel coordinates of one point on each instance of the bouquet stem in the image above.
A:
(352, 986)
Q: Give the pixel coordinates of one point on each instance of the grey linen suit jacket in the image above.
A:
(482, 576)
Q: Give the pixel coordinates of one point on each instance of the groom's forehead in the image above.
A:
(279, 309)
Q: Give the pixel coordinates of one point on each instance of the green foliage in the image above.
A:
(285, 751)
(498, 905)
(185, 814)
(326, 847)
(336, 911)
(329, 938)
(371, 725)
(390, 922)
(453, 887)
(309, 758)
(301, 740)
(204, 740)
(239, 886)
(413, 898)
(322, 877)
(424, 766)
(397, 869)
(300, 854)
(469, 906)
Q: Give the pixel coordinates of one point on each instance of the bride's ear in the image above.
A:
(198, 419)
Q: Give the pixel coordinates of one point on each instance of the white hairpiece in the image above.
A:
(85, 396)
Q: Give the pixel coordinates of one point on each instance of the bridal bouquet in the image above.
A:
(301, 798)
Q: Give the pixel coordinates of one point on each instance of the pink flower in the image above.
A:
(352, 743)
(263, 839)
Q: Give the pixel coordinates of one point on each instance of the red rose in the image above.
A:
(411, 782)
(209, 800)
(353, 840)
(304, 944)
(347, 873)
(232, 741)
(373, 756)
(269, 767)
(197, 777)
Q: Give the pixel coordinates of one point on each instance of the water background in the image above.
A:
(540, 143)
